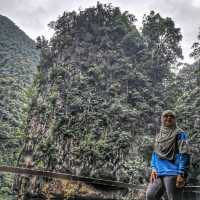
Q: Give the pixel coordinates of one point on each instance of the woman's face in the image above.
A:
(169, 120)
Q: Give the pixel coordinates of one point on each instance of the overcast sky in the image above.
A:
(32, 16)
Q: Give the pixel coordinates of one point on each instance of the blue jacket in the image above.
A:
(179, 166)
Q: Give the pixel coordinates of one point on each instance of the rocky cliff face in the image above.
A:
(95, 102)
(94, 109)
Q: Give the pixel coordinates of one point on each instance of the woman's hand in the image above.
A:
(153, 176)
(180, 181)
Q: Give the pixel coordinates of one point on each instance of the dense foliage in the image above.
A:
(98, 102)
(18, 60)
(163, 45)
(189, 107)
(101, 85)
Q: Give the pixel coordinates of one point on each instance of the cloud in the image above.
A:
(32, 16)
(28, 16)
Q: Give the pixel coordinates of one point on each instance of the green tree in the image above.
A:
(196, 55)
(162, 40)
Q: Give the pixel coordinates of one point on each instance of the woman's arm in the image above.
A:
(153, 167)
(153, 163)
(184, 151)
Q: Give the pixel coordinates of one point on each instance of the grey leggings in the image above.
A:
(156, 189)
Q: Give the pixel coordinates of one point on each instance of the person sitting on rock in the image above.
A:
(170, 160)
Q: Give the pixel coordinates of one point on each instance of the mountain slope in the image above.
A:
(18, 61)
(94, 106)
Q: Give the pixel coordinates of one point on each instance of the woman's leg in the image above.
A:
(170, 186)
(155, 190)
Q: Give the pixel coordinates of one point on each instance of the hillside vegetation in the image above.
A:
(18, 61)
(94, 106)
(101, 87)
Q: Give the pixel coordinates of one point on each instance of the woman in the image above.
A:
(170, 160)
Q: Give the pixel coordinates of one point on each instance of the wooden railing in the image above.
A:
(188, 193)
